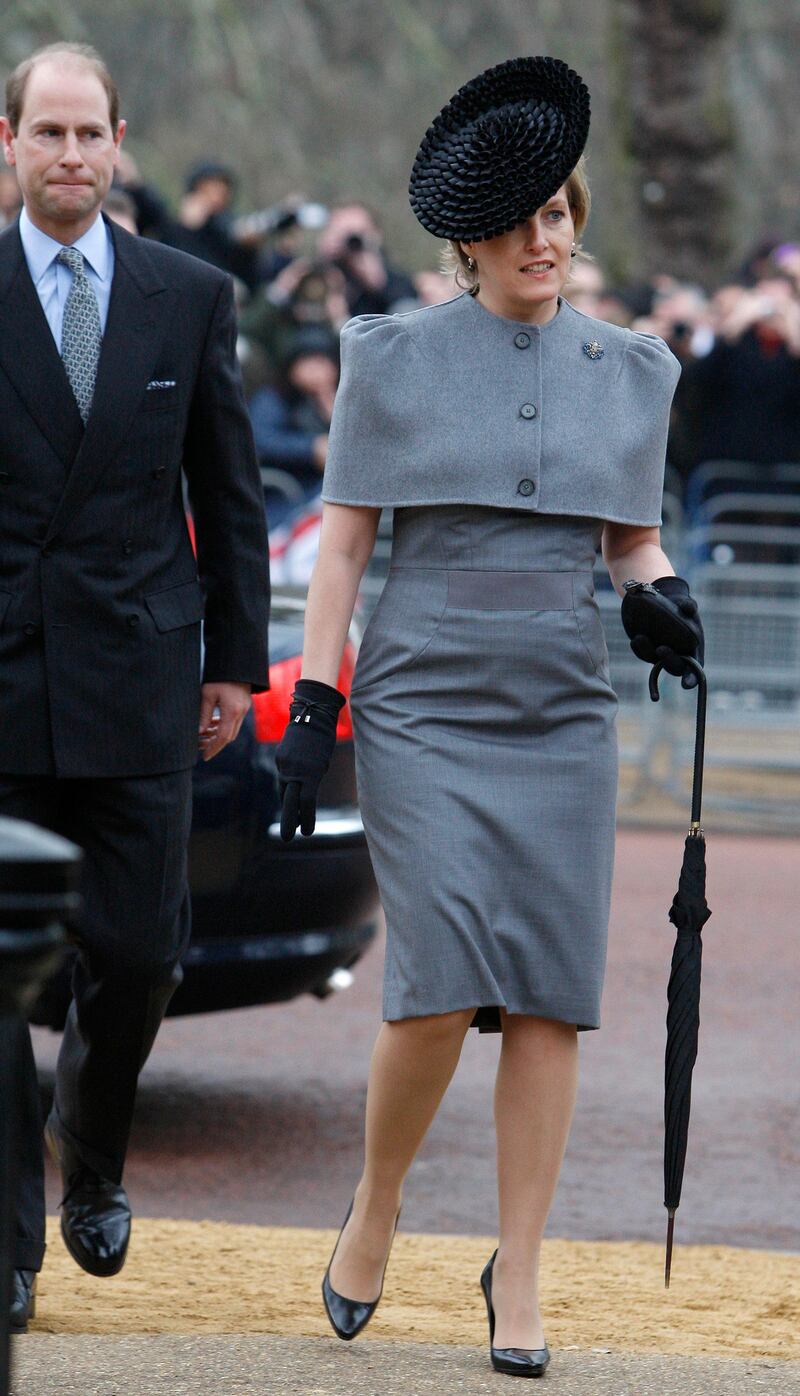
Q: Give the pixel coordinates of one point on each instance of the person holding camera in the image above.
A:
(741, 398)
(204, 226)
(513, 437)
(353, 242)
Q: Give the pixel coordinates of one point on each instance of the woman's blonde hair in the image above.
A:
(456, 263)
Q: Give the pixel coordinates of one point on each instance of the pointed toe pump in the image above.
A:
(515, 1362)
(348, 1317)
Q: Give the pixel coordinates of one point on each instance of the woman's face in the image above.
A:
(521, 273)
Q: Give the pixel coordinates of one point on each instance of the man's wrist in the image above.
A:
(227, 683)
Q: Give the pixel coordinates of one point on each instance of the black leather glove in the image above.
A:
(304, 753)
(662, 623)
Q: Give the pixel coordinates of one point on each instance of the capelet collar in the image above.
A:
(454, 405)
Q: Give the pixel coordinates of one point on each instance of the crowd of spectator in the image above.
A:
(302, 270)
(738, 397)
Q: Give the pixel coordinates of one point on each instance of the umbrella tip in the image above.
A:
(670, 1234)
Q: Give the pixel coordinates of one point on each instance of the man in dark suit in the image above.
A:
(117, 372)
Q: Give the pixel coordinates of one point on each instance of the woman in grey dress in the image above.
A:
(513, 437)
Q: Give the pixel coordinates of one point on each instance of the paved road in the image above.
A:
(256, 1116)
(267, 1366)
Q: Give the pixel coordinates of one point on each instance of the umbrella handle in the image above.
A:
(700, 731)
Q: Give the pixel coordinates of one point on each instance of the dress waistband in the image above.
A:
(481, 590)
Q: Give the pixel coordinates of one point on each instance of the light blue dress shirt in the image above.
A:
(53, 280)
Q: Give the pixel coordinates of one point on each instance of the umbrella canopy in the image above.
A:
(688, 913)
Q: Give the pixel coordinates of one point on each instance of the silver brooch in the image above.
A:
(593, 349)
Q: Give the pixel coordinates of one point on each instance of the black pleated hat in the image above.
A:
(503, 146)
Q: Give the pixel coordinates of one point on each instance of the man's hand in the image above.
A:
(196, 209)
(222, 711)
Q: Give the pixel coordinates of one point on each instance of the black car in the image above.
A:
(269, 920)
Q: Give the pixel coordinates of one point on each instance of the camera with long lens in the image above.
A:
(279, 218)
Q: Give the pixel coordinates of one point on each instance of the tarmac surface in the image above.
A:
(256, 1116)
(269, 1366)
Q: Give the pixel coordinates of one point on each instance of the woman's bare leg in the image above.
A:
(534, 1099)
(412, 1064)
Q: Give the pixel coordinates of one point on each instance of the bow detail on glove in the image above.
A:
(662, 622)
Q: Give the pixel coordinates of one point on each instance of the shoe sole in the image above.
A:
(511, 1371)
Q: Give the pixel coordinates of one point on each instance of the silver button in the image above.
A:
(527, 410)
(522, 340)
(525, 487)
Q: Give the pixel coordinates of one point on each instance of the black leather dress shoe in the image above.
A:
(23, 1300)
(95, 1212)
(348, 1317)
(515, 1362)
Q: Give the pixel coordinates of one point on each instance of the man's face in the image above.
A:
(65, 151)
(216, 193)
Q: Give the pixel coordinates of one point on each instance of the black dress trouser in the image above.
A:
(134, 928)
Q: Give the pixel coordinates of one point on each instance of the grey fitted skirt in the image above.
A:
(487, 767)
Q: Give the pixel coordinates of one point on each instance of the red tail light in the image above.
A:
(271, 709)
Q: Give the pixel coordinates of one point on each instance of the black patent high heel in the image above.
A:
(515, 1362)
(348, 1317)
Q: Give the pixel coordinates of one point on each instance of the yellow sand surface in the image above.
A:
(209, 1277)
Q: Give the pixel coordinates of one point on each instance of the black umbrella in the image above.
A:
(688, 913)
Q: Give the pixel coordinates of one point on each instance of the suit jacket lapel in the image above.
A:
(29, 356)
(138, 319)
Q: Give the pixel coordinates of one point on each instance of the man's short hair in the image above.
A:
(209, 169)
(18, 81)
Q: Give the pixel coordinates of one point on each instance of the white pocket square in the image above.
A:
(156, 383)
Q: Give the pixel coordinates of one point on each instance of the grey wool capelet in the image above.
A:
(454, 405)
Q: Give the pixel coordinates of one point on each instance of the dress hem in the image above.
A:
(537, 1011)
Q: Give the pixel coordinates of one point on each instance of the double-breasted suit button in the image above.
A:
(127, 547)
(133, 621)
(47, 551)
(526, 487)
(30, 628)
(522, 340)
(158, 472)
(4, 477)
(527, 410)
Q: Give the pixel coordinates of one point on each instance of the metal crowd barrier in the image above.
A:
(751, 614)
(714, 477)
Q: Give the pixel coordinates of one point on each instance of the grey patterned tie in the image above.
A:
(81, 335)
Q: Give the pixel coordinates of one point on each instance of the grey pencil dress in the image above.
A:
(483, 712)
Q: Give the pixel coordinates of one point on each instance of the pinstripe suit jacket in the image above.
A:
(100, 600)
